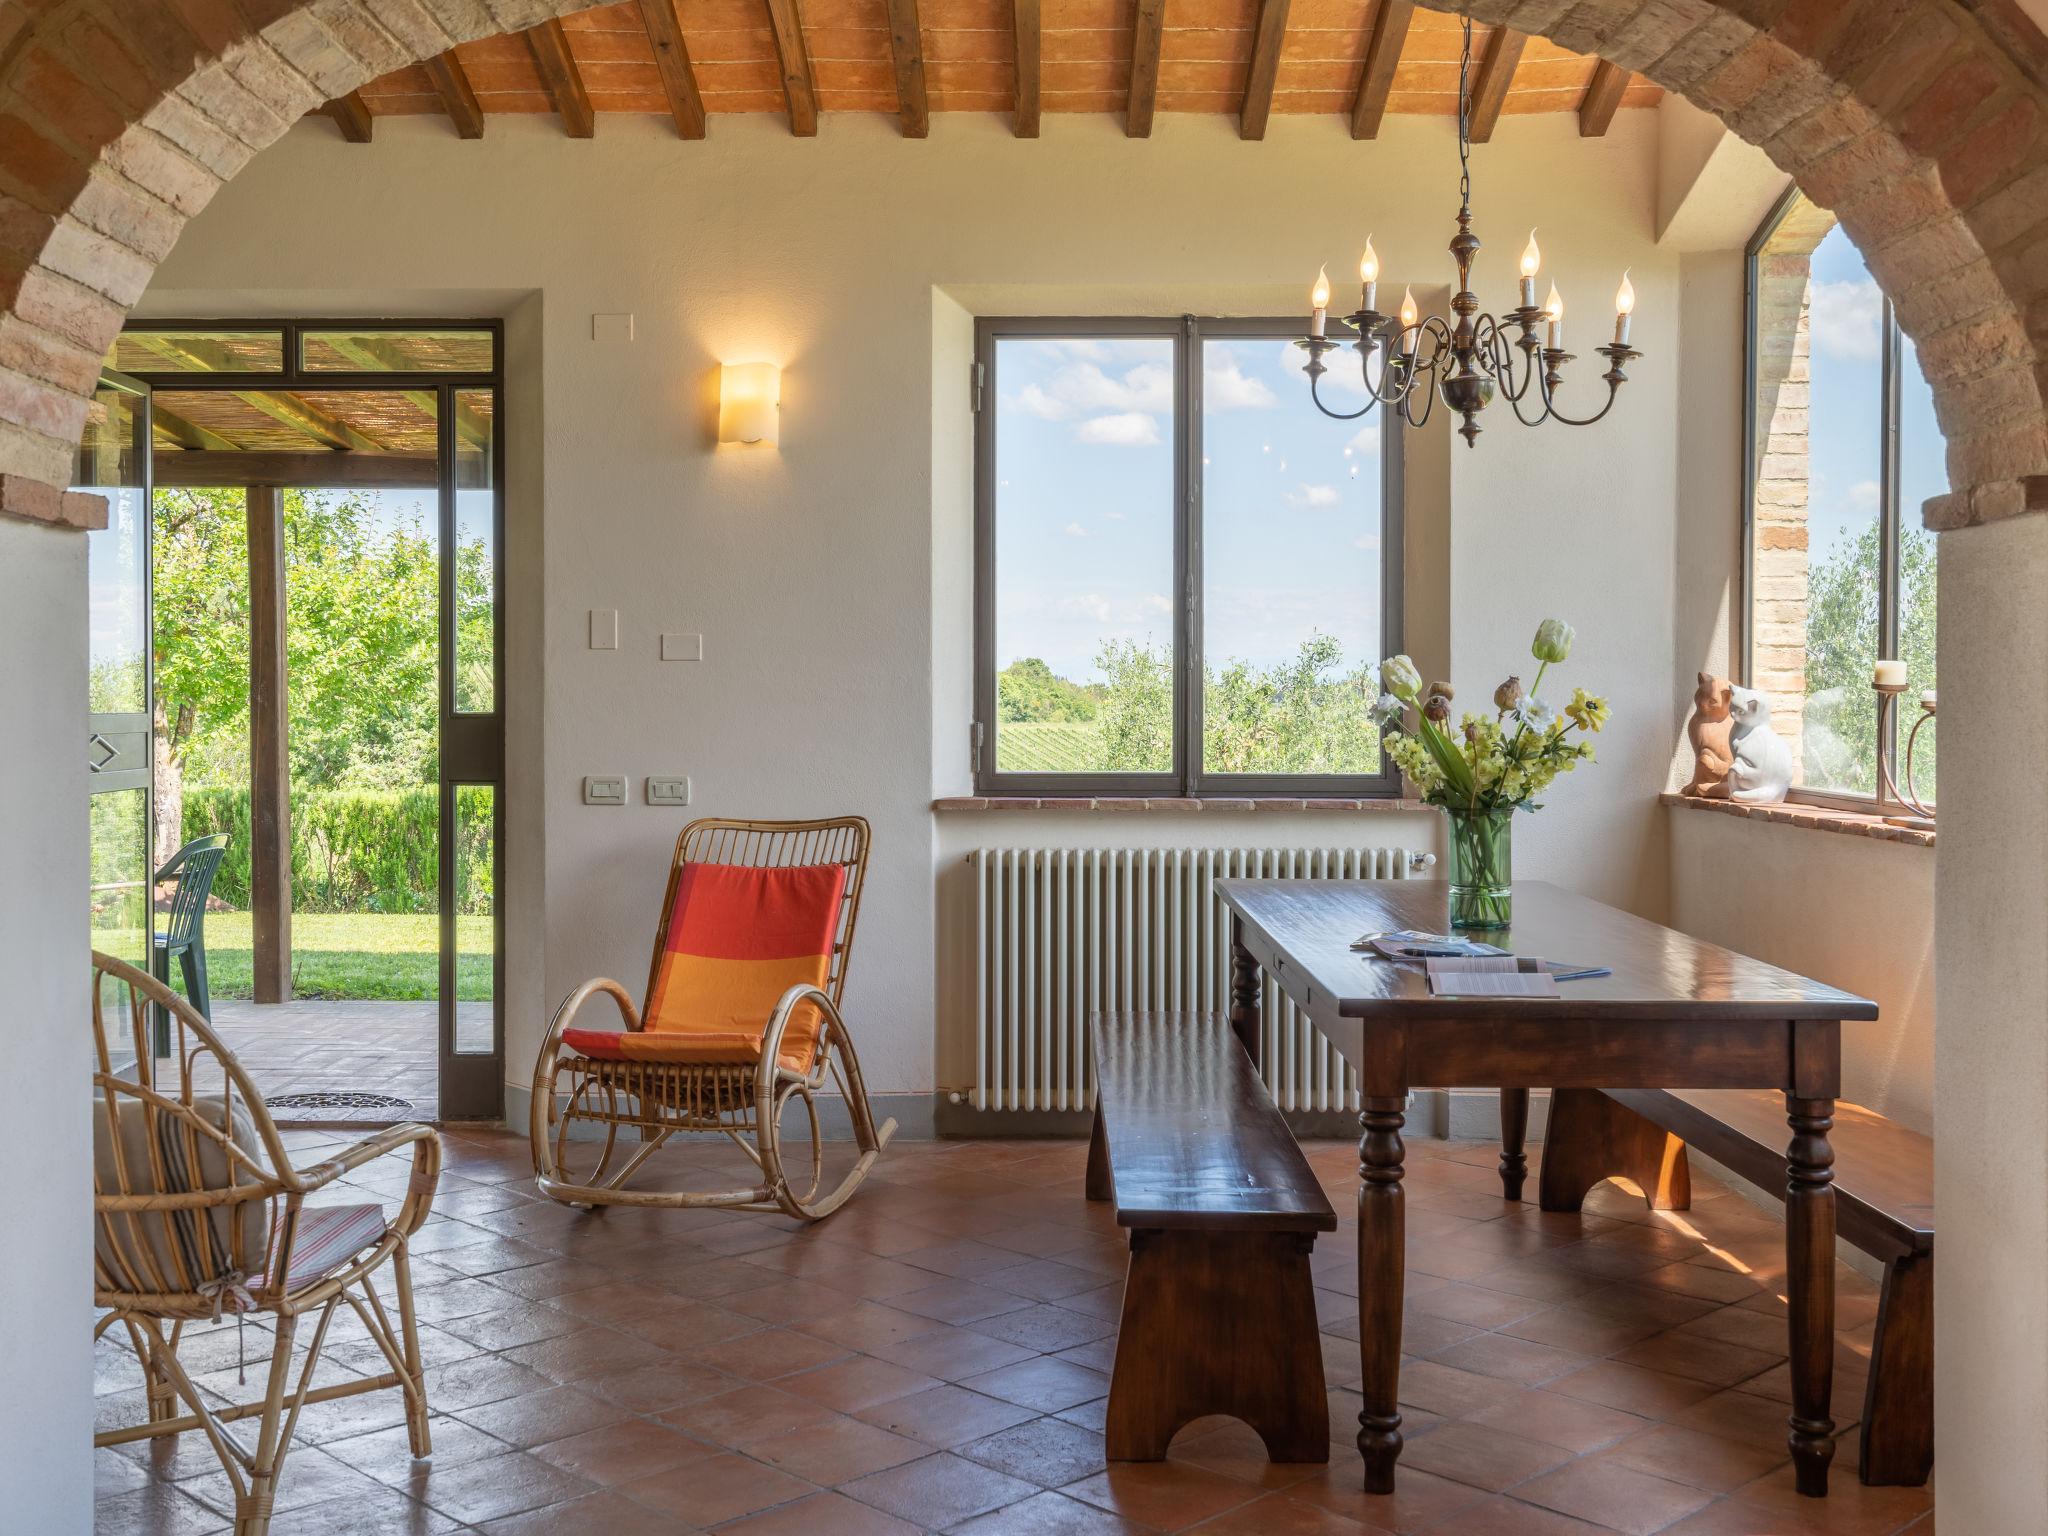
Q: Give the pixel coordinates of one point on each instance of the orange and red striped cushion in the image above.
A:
(737, 939)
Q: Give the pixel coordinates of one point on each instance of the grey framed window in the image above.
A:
(1185, 574)
(1842, 449)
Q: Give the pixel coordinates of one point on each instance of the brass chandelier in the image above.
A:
(1468, 361)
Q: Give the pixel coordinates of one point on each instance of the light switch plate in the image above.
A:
(682, 647)
(611, 327)
(604, 629)
(668, 790)
(604, 789)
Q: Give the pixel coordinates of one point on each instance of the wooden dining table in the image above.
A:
(1674, 1012)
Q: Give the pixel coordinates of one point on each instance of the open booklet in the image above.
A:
(1457, 958)
(1490, 976)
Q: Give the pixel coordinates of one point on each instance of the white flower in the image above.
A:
(1553, 640)
(1399, 677)
(1387, 707)
(1536, 715)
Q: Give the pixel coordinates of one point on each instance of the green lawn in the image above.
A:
(375, 956)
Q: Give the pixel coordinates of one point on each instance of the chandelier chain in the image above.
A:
(1465, 119)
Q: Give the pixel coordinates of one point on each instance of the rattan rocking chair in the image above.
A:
(199, 1213)
(735, 1075)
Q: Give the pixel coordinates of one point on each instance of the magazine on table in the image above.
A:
(1460, 963)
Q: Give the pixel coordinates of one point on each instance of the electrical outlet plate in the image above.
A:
(682, 647)
(604, 629)
(604, 789)
(668, 790)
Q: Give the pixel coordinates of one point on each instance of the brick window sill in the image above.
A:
(1816, 818)
(1207, 805)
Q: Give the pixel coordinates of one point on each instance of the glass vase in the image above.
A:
(1482, 868)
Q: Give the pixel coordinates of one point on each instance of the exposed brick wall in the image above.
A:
(1922, 123)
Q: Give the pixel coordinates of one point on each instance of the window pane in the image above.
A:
(1084, 521)
(476, 544)
(118, 555)
(1923, 473)
(190, 351)
(1818, 519)
(476, 940)
(1291, 521)
(120, 875)
(395, 351)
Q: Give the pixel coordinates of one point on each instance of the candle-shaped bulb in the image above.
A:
(1369, 263)
(1625, 296)
(1319, 301)
(1532, 258)
(1553, 307)
(1407, 307)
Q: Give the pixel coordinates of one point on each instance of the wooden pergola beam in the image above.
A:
(558, 72)
(213, 467)
(280, 406)
(378, 356)
(458, 97)
(906, 51)
(270, 815)
(1145, 40)
(352, 116)
(1602, 99)
(796, 67)
(1258, 91)
(1496, 73)
(1030, 48)
(188, 435)
(1382, 55)
(672, 58)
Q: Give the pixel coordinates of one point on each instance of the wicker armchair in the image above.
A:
(199, 1213)
(684, 1065)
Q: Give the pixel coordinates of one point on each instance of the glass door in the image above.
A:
(113, 461)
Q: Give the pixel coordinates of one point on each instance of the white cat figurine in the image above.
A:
(1762, 770)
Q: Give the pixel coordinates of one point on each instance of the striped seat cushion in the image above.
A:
(329, 1236)
(737, 939)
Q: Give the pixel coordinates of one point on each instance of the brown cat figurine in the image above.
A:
(1709, 730)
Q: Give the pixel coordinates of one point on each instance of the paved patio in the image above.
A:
(934, 1358)
(309, 1046)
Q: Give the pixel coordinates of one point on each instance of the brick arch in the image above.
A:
(1922, 124)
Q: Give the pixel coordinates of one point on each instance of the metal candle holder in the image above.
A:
(1888, 791)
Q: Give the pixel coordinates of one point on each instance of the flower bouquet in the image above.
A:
(1486, 768)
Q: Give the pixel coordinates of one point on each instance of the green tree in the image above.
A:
(1305, 715)
(1136, 714)
(1839, 738)
(1029, 690)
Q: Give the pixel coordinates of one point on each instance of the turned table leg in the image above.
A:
(1810, 1281)
(1244, 991)
(1382, 1257)
(1514, 1134)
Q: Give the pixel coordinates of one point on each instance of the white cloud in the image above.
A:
(1226, 387)
(1366, 541)
(1076, 531)
(1847, 319)
(1366, 440)
(1863, 497)
(1313, 496)
(1126, 429)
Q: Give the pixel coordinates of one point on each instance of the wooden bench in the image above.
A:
(1884, 1205)
(1219, 1309)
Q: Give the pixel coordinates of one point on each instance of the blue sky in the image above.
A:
(1084, 502)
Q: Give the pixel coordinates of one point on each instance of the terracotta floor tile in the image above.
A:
(387, 1455)
(661, 1384)
(1613, 1384)
(1275, 1514)
(488, 1490)
(536, 1417)
(1044, 1384)
(1049, 1452)
(385, 1512)
(1472, 1305)
(1852, 1509)
(598, 1514)
(1699, 1359)
(1510, 1359)
(1506, 1516)
(620, 1453)
(1738, 1415)
(952, 1354)
(450, 1388)
(1049, 1514)
(1481, 1455)
(945, 1416)
(1440, 1388)
(959, 1302)
(1569, 1423)
(719, 1488)
(768, 1354)
(1041, 1279)
(1575, 1328)
(938, 1491)
(1420, 1499)
(1701, 1460)
(1160, 1493)
(837, 1451)
(867, 1325)
(822, 1514)
(1606, 1493)
(1234, 1449)
(739, 1418)
(858, 1383)
(158, 1510)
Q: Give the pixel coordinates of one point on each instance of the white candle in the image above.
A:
(1369, 275)
(1624, 306)
(1319, 301)
(1532, 258)
(1554, 308)
(1889, 674)
(1409, 335)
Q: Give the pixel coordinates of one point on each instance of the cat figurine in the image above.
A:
(1709, 730)
(1762, 769)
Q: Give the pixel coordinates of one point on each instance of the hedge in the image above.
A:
(357, 850)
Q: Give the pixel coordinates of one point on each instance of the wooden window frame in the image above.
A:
(1187, 779)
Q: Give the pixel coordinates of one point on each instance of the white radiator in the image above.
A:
(1061, 933)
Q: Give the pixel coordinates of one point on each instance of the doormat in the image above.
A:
(341, 1106)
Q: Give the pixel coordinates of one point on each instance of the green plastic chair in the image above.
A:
(184, 935)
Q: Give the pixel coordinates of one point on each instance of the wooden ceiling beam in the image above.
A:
(796, 67)
(187, 434)
(558, 72)
(672, 58)
(906, 50)
(1145, 41)
(1267, 41)
(351, 115)
(289, 410)
(327, 471)
(1030, 38)
(1602, 99)
(1496, 73)
(1382, 54)
(373, 354)
(458, 97)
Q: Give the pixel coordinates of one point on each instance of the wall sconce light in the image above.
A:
(750, 403)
